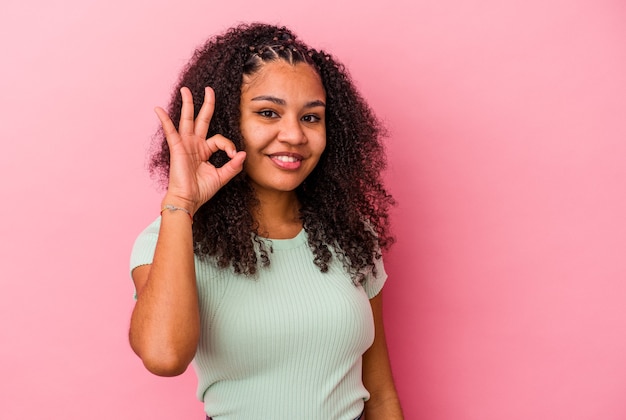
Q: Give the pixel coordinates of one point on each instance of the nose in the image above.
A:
(291, 131)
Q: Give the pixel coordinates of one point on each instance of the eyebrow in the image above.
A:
(282, 102)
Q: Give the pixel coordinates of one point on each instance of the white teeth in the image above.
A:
(290, 159)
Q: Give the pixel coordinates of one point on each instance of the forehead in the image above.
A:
(281, 77)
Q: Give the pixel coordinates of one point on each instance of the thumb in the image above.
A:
(231, 168)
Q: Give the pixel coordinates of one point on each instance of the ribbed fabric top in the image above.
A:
(285, 344)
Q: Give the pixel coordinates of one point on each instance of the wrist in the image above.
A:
(173, 201)
(173, 209)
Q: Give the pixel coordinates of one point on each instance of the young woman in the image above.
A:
(265, 268)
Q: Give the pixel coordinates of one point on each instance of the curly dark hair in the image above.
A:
(344, 204)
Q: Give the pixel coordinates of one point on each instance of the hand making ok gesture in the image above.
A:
(192, 179)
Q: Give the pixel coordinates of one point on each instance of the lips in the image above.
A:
(284, 160)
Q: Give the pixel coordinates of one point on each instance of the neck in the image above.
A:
(277, 215)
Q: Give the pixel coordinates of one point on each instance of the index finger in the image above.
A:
(219, 142)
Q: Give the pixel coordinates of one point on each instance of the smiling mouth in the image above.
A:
(287, 161)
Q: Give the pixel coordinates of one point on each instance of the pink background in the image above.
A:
(507, 156)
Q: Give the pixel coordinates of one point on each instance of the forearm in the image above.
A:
(165, 323)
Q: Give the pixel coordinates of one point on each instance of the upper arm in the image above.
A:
(377, 376)
(376, 367)
(140, 276)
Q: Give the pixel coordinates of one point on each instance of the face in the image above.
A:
(283, 125)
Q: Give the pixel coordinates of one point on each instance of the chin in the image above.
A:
(279, 187)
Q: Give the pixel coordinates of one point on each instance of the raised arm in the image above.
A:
(165, 323)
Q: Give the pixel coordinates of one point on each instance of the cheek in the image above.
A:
(322, 144)
(252, 137)
(317, 140)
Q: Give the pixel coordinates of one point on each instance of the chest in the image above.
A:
(291, 313)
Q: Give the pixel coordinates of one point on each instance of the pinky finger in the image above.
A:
(166, 122)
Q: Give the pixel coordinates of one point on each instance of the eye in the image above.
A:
(311, 118)
(267, 113)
